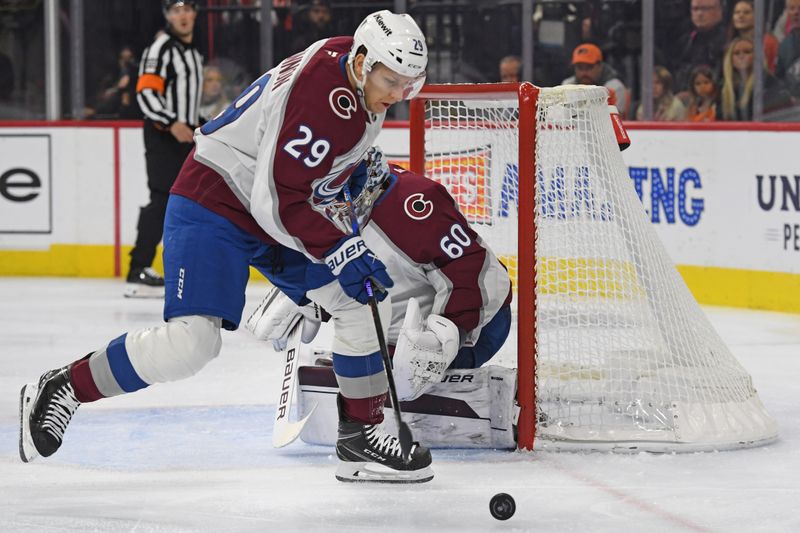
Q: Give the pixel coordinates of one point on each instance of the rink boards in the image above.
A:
(725, 201)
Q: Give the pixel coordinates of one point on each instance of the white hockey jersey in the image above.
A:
(287, 145)
(433, 255)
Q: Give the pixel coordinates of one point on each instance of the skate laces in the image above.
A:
(385, 443)
(59, 412)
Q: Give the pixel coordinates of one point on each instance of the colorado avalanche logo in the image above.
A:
(343, 102)
(326, 189)
(417, 207)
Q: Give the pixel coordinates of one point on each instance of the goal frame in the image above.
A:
(651, 374)
(526, 95)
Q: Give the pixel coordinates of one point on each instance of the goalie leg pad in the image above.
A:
(467, 409)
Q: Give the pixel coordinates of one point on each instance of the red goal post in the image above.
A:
(526, 95)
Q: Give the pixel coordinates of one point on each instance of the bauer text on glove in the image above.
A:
(353, 263)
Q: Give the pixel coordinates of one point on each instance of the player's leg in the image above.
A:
(365, 452)
(164, 157)
(206, 265)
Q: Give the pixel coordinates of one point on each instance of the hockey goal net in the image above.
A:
(612, 350)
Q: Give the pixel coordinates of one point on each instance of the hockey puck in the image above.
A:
(502, 506)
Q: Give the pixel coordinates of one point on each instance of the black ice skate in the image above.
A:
(45, 410)
(367, 454)
(144, 283)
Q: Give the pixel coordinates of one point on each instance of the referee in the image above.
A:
(168, 92)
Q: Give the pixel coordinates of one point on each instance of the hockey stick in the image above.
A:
(283, 431)
(404, 432)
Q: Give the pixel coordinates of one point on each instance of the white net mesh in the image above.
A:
(626, 359)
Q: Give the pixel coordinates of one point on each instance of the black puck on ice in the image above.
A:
(502, 506)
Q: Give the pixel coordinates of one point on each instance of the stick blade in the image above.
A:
(288, 432)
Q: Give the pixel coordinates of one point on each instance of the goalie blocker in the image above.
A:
(469, 408)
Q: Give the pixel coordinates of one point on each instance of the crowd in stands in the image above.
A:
(704, 53)
(707, 72)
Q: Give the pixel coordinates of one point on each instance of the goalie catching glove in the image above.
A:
(424, 351)
(277, 315)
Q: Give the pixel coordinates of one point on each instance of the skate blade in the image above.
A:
(366, 472)
(137, 290)
(27, 450)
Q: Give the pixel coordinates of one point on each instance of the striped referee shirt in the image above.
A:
(170, 81)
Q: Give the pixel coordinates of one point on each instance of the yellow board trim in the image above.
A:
(753, 289)
(75, 260)
(81, 260)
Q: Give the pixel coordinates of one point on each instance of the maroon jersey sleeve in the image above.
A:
(323, 133)
(424, 224)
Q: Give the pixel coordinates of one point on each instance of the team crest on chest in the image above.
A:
(417, 207)
(343, 102)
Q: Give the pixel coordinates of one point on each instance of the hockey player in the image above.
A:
(256, 191)
(451, 295)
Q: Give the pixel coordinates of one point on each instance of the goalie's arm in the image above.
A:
(421, 222)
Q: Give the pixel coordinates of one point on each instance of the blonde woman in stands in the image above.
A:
(738, 79)
(666, 106)
(743, 24)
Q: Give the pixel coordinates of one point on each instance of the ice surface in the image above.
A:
(196, 456)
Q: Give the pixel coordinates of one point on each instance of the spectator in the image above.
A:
(666, 107)
(510, 69)
(587, 60)
(118, 100)
(743, 24)
(789, 20)
(737, 84)
(312, 24)
(704, 93)
(703, 44)
(788, 65)
(214, 99)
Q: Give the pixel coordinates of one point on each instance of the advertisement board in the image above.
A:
(724, 201)
(26, 193)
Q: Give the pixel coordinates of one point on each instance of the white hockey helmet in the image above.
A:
(395, 41)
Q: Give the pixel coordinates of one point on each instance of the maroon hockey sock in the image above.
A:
(83, 382)
(364, 410)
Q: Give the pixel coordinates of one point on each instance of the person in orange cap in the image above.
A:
(590, 69)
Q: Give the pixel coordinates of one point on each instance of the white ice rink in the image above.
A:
(196, 455)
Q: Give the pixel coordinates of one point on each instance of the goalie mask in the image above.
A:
(365, 186)
(394, 41)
